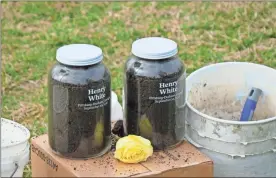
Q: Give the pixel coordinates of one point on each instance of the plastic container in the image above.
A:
(79, 103)
(116, 108)
(154, 92)
(14, 148)
(238, 148)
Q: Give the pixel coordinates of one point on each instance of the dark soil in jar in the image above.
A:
(78, 126)
(153, 102)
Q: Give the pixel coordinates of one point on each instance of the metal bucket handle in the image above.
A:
(16, 167)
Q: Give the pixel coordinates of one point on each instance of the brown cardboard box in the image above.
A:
(182, 161)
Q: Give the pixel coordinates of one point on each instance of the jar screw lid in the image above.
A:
(154, 48)
(79, 54)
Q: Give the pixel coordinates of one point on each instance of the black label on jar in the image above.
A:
(80, 98)
(95, 98)
(169, 91)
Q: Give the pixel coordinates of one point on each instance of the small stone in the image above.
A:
(118, 128)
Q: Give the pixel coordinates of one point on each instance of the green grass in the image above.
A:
(206, 33)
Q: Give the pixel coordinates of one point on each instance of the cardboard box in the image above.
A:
(182, 161)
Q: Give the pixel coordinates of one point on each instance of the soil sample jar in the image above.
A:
(154, 92)
(79, 103)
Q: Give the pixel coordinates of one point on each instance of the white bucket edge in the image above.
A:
(9, 167)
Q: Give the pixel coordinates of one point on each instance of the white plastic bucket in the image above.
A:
(14, 148)
(116, 108)
(237, 148)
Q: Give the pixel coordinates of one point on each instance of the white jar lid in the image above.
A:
(154, 48)
(79, 54)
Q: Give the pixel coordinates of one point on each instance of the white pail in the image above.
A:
(237, 148)
(14, 148)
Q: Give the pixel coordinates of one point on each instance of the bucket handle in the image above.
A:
(16, 167)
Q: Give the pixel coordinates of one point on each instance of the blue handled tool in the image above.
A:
(250, 104)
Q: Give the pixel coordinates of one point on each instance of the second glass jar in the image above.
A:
(154, 92)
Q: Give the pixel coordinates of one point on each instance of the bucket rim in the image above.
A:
(26, 138)
(221, 120)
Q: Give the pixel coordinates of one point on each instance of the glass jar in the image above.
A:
(79, 103)
(154, 92)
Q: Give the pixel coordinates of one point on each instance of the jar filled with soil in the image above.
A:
(79, 103)
(154, 92)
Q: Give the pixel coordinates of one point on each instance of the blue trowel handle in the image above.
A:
(248, 110)
(250, 104)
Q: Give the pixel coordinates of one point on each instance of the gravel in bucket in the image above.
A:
(224, 102)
